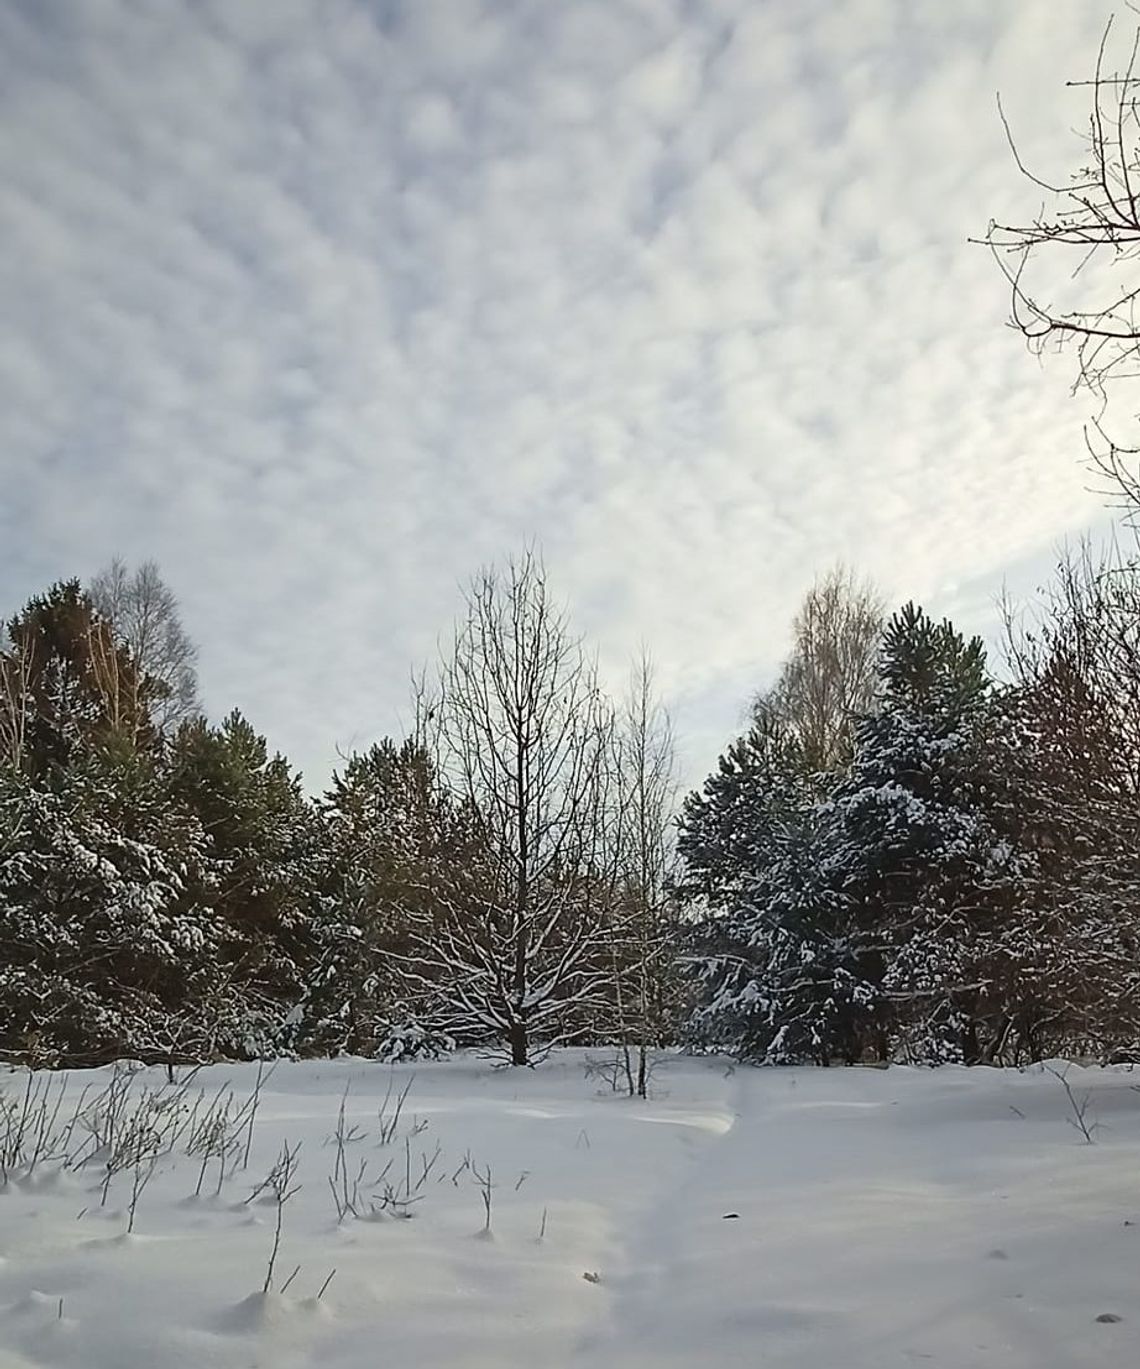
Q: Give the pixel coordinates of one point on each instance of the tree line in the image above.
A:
(960, 881)
(168, 891)
(906, 855)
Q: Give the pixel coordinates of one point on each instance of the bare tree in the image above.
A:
(829, 678)
(1087, 298)
(1088, 616)
(516, 947)
(646, 803)
(17, 671)
(144, 615)
(1071, 751)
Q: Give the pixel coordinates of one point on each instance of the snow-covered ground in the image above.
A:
(845, 1217)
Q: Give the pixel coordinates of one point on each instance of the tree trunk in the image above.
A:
(518, 1042)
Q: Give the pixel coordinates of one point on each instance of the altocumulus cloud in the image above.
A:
(325, 302)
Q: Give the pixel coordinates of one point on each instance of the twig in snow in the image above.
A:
(390, 1124)
(1079, 1108)
(280, 1184)
(485, 1184)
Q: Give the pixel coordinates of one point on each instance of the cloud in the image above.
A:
(324, 304)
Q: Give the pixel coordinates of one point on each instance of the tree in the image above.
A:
(67, 686)
(108, 950)
(517, 949)
(801, 737)
(767, 943)
(778, 974)
(264, 849)
(17, 706)
(645, 793)
(145, 617)
(910, 836)
(388, 824)
(1087, 299)
(1070, 974)
(729, 826)
(828, 681)
(812, 892)
(1088, 615)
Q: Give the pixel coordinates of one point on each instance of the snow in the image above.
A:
(792, 1217)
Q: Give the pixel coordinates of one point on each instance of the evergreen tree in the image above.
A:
(387, 824)
(912, 844)
(728, 828)
(778, 977)
(264, 849)
(67, 686)
(107, 947)
(828, 909)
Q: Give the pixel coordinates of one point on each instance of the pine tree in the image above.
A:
(264, 852)
(781, 979)
(911, 843)
(67, 686)
(777, 976)
(831, 904)
(387, 824)
(729, 826)
(107, 946)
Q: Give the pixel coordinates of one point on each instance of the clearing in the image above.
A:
(802, 1218)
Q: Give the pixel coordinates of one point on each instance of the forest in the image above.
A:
(911, 852)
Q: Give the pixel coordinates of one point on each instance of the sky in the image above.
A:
(324, 304)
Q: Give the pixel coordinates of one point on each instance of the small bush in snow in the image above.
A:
(412, 1041)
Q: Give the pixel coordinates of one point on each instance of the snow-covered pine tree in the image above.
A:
(107, 942)
(67, 686)
(108, 951)
(387, 821)
(778, 976)
(728, 827)
(911, 841)
(264, 869)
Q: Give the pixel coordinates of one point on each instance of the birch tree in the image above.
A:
(646, 792)
(829, 679)
(144, 615)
